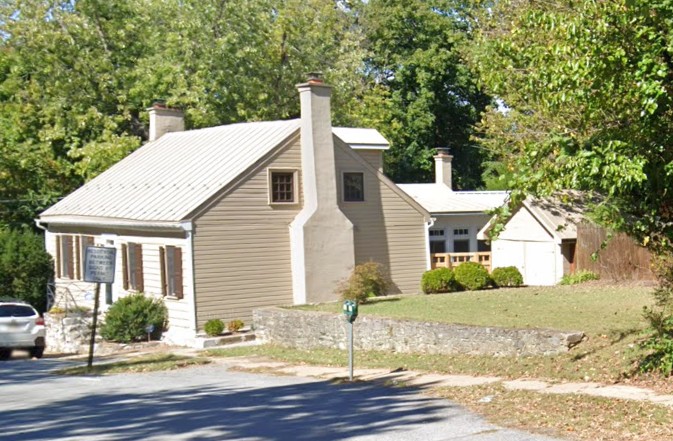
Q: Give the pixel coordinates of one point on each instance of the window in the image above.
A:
(483, 246)
(437, 246)
(132, 266)
(64, 257)
(354, 187)
(436, 233)
(282, 185)
(171, 271)
(461, 232)
(81, 242)
(461, 246)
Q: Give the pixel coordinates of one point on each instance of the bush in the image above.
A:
(25, 267)
(439, 280)
(472, 276)
(127, 319)
(235, 325)
(214, 327)
(507, 276)
(578, 277)
(367, 280)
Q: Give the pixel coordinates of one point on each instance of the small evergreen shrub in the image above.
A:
(439, 280)
(367, 280)
(472, 276)
(507, 276)
(127, 319)
(579, 277)
(235, 325)
(214, 327)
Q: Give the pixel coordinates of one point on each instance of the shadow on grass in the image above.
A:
(616, 337)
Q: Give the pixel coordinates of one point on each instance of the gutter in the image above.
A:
(113, 223)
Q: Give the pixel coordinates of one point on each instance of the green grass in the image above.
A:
(590, 308)
(147, 363)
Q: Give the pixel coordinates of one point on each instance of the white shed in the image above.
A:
(539, 239)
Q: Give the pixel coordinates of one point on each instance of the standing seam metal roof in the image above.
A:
(440, 199)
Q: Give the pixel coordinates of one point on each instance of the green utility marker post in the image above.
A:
(351, 313)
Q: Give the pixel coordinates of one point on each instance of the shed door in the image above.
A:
(539, 263)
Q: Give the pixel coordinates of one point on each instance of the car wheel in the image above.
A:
(37, 351)
(5, 354)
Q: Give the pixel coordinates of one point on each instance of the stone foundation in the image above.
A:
(307, 329)
(68, 334)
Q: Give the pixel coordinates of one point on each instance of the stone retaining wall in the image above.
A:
(308, 329)
(68, 334)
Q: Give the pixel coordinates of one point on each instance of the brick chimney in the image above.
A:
(164, 119)
(323, 251)
(443, 167)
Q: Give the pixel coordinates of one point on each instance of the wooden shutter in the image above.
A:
(79, 257)
(125, 270)
(177, 262)
(140, 285)
(162, 264)
(58, 257)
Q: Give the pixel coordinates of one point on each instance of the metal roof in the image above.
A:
(559, 214)
(359, 138)
(165, 180)
(440, 199)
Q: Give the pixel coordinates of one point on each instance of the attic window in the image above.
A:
(282, 186)
(354, 187)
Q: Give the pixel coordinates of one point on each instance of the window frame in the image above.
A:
(65, 265)
(347, 196)
(132, 267)
(172, 281)
(271, 173)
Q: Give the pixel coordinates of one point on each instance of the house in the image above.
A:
(221, 220)
(457, 216)
(540, 238)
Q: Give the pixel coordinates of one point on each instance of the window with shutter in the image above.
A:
(64, 257)
(132, 266)
(171, 271)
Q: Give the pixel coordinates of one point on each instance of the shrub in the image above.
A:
(127, 319)
(439, 280)
(214, 327)
(25, 267)
(235, 325)
(472, 276)
(367, 280)
(578, 277)
(507, 276)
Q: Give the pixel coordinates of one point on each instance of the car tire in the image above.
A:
(37, 351)
(5, 354)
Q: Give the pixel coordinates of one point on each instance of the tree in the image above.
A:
(422, 95)
(25, 267)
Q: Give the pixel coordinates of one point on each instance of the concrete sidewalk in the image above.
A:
(428, 380)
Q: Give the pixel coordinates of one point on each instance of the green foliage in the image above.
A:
(472, 276)
(507, 276)
(439, 280)
(128, 317)
(214, 327)
(235, 325)
(579, 277)
(25, 267)
(659, 342)
(367, 280)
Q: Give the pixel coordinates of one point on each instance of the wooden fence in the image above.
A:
(619, 258)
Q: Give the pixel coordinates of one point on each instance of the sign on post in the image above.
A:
(99, 264)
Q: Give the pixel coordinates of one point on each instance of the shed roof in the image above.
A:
(165, 180)
(440, 199)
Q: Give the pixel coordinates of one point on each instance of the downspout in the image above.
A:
(428, 256)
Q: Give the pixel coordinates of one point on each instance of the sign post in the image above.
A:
(350, 309)
(99, 267)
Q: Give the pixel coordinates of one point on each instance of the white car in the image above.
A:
(21, 327)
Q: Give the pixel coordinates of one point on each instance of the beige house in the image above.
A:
(457, 216)
(222, 220)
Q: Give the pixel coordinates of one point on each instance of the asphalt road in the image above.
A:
(212, 403)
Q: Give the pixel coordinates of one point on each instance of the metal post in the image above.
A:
(350, 351)
(92, 341)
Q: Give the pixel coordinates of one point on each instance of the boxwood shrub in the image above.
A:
(507, 276)
(214, 327)
(127, 319)
(439, 280)
(472, 276)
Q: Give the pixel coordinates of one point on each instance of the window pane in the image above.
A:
(461, 246)
(132, 265)
(170, 270)
(437, 246)
(354, 187)
(282, 187)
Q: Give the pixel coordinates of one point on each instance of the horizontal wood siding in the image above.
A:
(373, 157)
(180, 312)
(242, 247)
(388, 229)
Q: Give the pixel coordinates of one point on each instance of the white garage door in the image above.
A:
(535, 260)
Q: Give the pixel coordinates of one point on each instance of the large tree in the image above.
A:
(585, 91)
(423, 95)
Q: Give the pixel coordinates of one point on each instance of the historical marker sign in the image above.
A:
(99, 264)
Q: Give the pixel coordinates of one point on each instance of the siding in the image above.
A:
(180, 312)
(242, 247)
(523, 226)
(373, 157)
(387, 229)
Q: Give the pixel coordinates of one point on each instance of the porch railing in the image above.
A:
(452, 260)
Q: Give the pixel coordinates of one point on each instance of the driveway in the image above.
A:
(213, 403)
